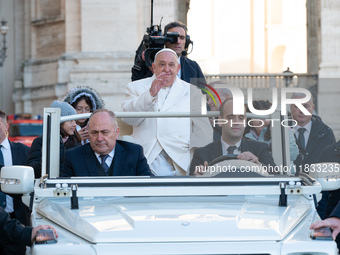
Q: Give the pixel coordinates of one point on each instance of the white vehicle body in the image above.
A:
(184, 215)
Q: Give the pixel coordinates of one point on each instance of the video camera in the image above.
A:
(154, 41)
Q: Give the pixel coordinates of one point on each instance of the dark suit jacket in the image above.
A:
(190, 72)
(14, 231)
(331, 154)
(320, 137)
(19, 157)
(214, 150)
(19, 153)
(336, 211)
(129, 160)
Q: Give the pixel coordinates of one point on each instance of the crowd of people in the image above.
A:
(162, 146)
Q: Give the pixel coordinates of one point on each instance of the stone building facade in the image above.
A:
(61, 44)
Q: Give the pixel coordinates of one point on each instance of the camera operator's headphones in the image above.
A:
(187, 42)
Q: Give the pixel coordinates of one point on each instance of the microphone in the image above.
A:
(184, 53)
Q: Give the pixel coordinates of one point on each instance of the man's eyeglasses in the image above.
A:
(79, 109)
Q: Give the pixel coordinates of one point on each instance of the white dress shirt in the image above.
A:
(109, 159)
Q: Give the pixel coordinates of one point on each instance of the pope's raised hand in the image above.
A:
(157, 84)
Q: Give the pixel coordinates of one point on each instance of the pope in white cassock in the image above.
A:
(168, 142)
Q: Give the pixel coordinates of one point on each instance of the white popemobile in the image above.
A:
(175, 215)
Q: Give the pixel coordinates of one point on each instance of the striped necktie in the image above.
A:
(104, 165)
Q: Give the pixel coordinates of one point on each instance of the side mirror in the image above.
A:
(17, 179)
(327, 174)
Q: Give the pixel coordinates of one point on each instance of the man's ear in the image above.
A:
(178, 67)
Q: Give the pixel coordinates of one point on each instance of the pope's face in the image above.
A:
(166, 63)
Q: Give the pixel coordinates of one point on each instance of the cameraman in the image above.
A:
(190, 71)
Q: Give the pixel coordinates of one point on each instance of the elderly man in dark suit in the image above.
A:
(231, 142)
(12, 154)
(104, 155)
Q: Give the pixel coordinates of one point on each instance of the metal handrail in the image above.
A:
(160, 115)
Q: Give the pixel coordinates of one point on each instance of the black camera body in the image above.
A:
(154, 41)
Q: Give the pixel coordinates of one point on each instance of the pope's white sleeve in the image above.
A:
(135, 102)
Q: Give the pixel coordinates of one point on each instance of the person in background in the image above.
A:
(261, 131)
(312, 136)
(84, 100)
(12, 154)
(214, 104)
(68, 138)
